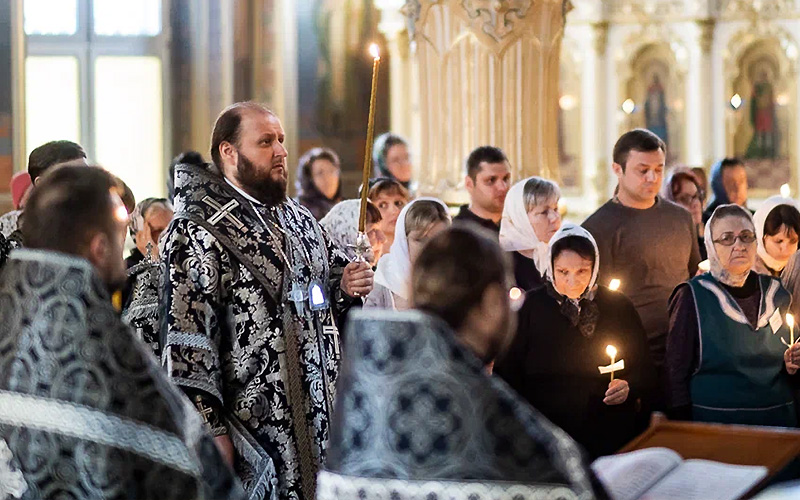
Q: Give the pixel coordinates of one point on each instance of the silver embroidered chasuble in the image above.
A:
(418, 418)
(85, 409)
(267, 364)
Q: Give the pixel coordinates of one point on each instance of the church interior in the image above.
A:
(553, 83)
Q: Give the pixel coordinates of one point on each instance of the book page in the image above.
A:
(629, 475)
(706, 480)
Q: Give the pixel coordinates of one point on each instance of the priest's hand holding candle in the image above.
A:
(618, 390)
(357, 280)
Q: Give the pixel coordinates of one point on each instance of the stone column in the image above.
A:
(694, 152)
(706, 39)
(401, 97)
(203, 69)
(488, 74)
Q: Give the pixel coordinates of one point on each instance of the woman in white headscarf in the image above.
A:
(777, 223)
(563, 330)
(530, 219)
(727, 360)
(418, 222)
(341, 224)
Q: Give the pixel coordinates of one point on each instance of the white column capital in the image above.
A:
(393, 21)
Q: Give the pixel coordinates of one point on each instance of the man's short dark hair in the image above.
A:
(730, 162)
(226, 128)
(453, 271)
(52, 153)
(126, 193)
(488, 154)
(639, 139)
(69, 205)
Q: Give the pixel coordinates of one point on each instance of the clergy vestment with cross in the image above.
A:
(231, 333)
(85, 409)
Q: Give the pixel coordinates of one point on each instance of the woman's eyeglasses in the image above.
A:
(728, 239)
(686, 199)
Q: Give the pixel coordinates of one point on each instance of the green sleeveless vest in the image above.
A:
(741, 377)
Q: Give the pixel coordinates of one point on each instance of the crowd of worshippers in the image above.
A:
(209, 363)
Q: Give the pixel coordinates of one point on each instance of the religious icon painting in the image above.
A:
(655, 88)
(762, 124)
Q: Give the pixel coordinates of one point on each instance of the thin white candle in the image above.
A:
(612, 353)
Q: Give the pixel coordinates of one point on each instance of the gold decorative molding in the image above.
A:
(757, 9)
(496, 18)
(488, 74)
(706, 40)
(600, 37)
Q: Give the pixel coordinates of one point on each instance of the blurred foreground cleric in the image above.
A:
(85, 410)
(418, 416)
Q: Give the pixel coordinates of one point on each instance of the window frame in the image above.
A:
(86, 47)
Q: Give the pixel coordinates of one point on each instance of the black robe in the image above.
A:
(555, 368)
(526, 275)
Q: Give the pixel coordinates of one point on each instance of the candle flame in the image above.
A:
(121, 213)
(515, 293)
(374, 51)
(790, 320)
(786, 191)
(611, 351)
(704, 266)
(614, 284)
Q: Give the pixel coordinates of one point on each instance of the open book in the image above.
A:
(661, 474)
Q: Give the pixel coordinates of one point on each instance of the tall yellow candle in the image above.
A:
(790, 322)
(362, 216)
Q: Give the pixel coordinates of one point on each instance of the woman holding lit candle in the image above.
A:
(530, 219)
(725, 359)
(566, 330)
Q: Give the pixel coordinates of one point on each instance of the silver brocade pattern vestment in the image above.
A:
(232, 334)
(142, 311)
(84, 408)
(418, 418)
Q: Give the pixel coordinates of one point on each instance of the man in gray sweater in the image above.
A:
(648, 243)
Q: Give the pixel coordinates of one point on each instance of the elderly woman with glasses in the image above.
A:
(563, 332)
(728, 359)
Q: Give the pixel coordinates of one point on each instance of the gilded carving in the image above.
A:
(600, 37)
(755, 9)
(496, 18)
(706, 34)
(488, 74)
(411, 10)
(642, 10)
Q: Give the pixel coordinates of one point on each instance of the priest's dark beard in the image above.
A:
(262, 188)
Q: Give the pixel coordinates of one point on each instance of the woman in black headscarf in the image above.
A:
(563, 331)
(319, 186)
